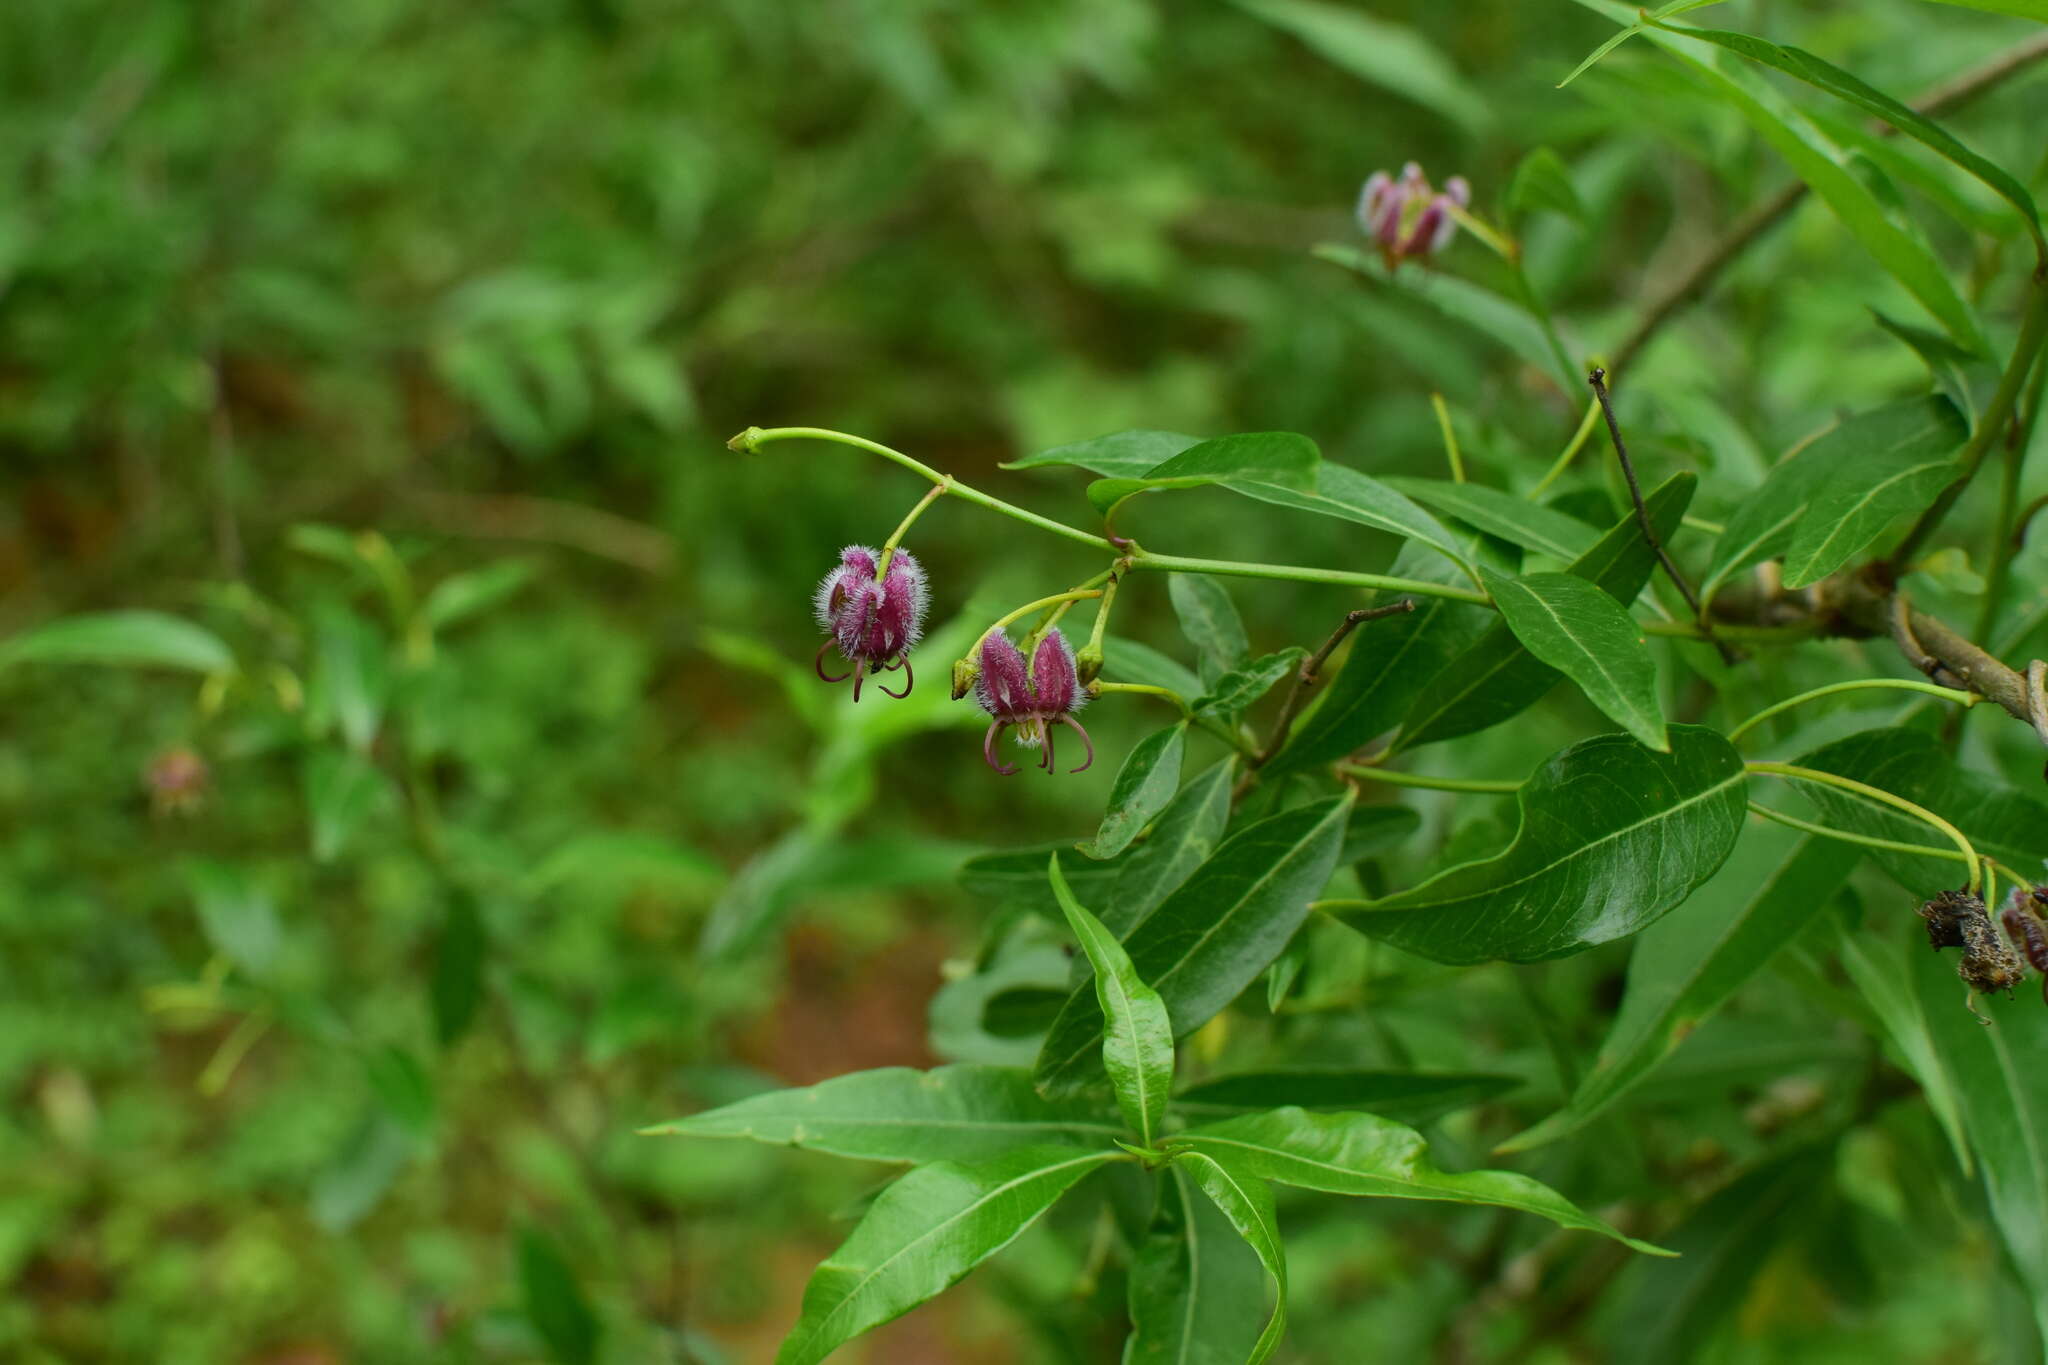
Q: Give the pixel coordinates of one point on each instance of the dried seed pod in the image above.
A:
(1944, 915)
(2025, 927)
(1988, 964)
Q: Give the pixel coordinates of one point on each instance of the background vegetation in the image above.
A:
(398, 343)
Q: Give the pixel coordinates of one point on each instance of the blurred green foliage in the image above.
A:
(336, 1052)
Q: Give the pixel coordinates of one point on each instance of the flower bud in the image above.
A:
(1034, 701)
(874, 620)
(1409, 219)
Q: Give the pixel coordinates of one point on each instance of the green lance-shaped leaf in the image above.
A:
(1238, 689)
(1365, 1155)
(923, 1233)
(1209, 620)
(1388, 664)
(1587, 636)
(1612, 836)
(457, 985)
(1905, 257)
(238, 915)
(1883, 966)
(554, 1303)
(1997, 1073)
(1247, 1201)
(1342, 492)
(1860, 497)
(951, 1113)
(1196, 1287)
(1211, 938)
(1137, 1039)
(1392, 56)
(1281, 458)
(1130, 661)
(1496, 677)
(1694, 958)
(1672, 1308)
(1016, 877)
(130, 639)
(460, 596)
(1515, 520)
(1404, 1096)
(1182, 838)
(1998, 821)
(1143, 786)
(1763, 525)
(1541, 181)
(1119, 455)
(2025, 9)
(1852, 89)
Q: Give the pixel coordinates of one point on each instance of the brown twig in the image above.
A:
(1598, 379)
(1761, 218)
(1305, 676)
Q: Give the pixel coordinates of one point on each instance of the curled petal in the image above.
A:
(1433, 227)
(1372, 200)
(1003, 689)
(1045, 759)
(904, 664)
(1459, 190)
(819, 664)
(1055, 684)
(860, 667)
(904, 599)
(988, 747)
(1069, 720)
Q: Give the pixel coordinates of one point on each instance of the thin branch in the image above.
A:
(1305, 677)
(1598, 379)
(1761, 218)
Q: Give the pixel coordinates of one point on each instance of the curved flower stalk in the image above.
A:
(1410, 218)
(1033, 702)
(874, 620)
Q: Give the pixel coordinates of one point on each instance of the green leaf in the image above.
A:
(1247, 1202)
(922, 1234)
(1280, 458)
(461, 596)
(1372, 1157)
(2000, 822)
(1130, 661)
(1515, 520)
(1388, 664)
(554, 1303)
(1182, 838)
(1642, 22)
(1495, 677)
(1612, 835)
(1404, 1096)
(1121, 454)
(343, 790)
(2025, 9)
(1997, 1071)
(1541, 181)
(1196, 1286)
(404, 1088)
(1211, 938)
(457, 987)
(1137, 1040)
(239, 916)
(1583, 633)
(1883, 966)
(1210, 621)
(1392, 56)
(627, 859)
(1230, 695)
(1373, 829)
(1143, 787)
(1905, 257)
(1342, 492)
(1686, 964)
(128, 639)
(1762, 526)
(1674, 1308)
(1492, 316)
(1851, 507)
(351, 676)
(951, 1113)
(1016, 877)
(1851, 89)
(1966, 380)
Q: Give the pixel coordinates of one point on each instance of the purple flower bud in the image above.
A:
(1034, 704)
(1408, 218)
(874, 623)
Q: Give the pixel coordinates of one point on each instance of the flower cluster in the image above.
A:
(1960, 919)
(1410, 218)
(873, 617)
(1033, 702)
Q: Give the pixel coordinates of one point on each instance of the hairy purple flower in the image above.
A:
(874, 621)
(1034, 702)
(1409, 218)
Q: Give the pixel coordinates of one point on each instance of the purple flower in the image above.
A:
(1409, 218)
(1034, 703)
(873, 621)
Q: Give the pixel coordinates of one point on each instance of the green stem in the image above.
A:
(1571, 451)
(1868, 841)
(938, 490)
(1878, 794)
(1394, 778)
(1147, 689)
(2006, 532)
(1443, 424)
(753, 438)
(1300, 573)
(1073, 595)
(1102, 614)
(2033, 330)
(1860, 684)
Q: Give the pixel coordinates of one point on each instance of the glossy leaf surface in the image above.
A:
(1137, 1039)
(1584, 634)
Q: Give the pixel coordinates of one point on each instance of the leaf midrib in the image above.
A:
(1613, 683)
(1838, 524)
